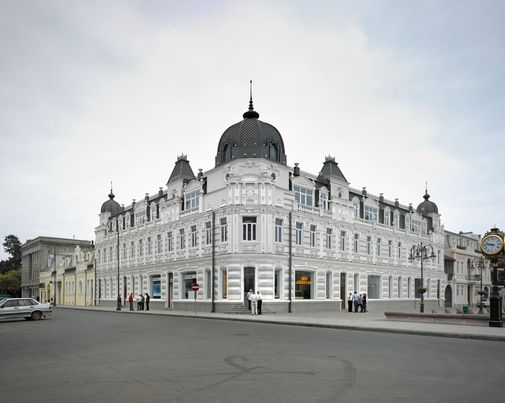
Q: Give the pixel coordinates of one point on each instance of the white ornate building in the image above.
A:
(252, 221)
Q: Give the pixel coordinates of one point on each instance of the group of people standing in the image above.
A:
(255, 300)
(141, 302)
(358, 300)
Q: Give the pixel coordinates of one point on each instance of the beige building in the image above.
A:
(462, 257)
(40, 258)
(75, 279)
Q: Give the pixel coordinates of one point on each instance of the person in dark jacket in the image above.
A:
(148, 298)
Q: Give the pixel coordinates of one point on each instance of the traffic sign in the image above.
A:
(195, 287)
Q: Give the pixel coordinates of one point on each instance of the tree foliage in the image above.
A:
(10, 283)
(12, 247)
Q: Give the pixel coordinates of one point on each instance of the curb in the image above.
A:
(432, 333)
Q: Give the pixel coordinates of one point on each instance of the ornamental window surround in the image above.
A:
(170, 241)
(303, 195)
(323, 200)
(387, 218)
(368, 245)
(182, 239)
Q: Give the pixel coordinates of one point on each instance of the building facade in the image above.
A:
(40, 257)
(463, 268)
(254, 222)
(74, 277)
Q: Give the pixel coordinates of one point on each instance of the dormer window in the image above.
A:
(370, 213)
(355, 210)
(303, 195)
(191, 199)
(323, 200)
(415, 225)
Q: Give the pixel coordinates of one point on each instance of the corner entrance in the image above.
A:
(249, 274)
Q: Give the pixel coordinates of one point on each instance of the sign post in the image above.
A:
(195, 287)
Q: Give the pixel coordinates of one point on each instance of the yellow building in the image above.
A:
(74, 278)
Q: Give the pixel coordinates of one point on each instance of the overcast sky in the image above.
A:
(399, 92)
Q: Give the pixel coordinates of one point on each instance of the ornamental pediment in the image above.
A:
(302, 181)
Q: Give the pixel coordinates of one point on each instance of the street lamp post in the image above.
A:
(118, 308)
(420, 252)
(480, 265)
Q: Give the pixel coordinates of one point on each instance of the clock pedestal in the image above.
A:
(495, 301)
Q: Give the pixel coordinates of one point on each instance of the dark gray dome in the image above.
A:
(111, 206)
(251, 138)
(427, 207)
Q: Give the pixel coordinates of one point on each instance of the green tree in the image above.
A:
(12, 246)
(10, 283)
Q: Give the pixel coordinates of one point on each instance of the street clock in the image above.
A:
(491, 244)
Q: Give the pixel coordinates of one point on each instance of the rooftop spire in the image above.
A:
(111, 194)
(426, 195)
(251, 113)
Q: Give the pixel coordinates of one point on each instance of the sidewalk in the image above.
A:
(338, 320)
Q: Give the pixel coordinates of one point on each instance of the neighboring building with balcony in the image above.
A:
(253, 222)
(75, 279)
(41, 256)
(462, 256)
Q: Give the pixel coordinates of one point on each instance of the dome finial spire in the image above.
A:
(111, 194)
(426, 195)
(251, 113)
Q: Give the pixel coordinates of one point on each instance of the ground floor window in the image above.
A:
(303, 284)
(374, 286)
(278, 283)
(224, 284)
(417, 285)
(156, 287)
(188, 279)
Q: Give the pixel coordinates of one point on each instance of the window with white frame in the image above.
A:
(370, 213)
(158, 244)
(399, 250)
(141, 217)
(356, 241)
(149, 246)
(248, 228)
(208, 232)
(323, 200)
(194, 236)
(355, 210)
(387, 218)
(342, 240)
(191, 199)
(390, 248)
(141, 247)
(379, 241)
(368, 245)
(298, 233)
(170, 241)
(224, 230)
(132, 249)
(313, 229)
(303, 195)
(327, 239)
(278, 230)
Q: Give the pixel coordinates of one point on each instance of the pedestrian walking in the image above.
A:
(363, 303)
(142, 299)
(349, 302)
(254, 304)
(148, 298)
(259, 301)
(130, 300)
(355, 299)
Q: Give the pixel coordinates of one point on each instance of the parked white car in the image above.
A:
(28, 308)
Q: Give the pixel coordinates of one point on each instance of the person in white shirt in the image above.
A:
(254, 304)
(249, 297)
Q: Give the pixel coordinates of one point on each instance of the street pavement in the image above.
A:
(369, 321)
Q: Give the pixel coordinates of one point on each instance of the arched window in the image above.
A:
(274, 152)
(226, 153)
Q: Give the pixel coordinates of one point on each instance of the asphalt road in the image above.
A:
(81, 356)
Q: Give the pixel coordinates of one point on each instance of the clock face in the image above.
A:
(492, 245)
